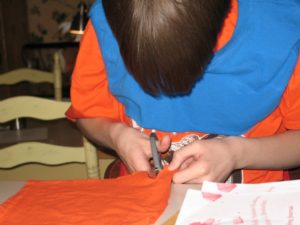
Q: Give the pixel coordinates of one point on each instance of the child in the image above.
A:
(189, 68)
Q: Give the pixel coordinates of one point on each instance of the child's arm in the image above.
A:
(215, 159)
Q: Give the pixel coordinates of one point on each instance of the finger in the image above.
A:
(197, 180)
(193, 173)
(142, 166)
(137, 165)
(164, 143)
(186, 163)
(182, 155)
(206, 177)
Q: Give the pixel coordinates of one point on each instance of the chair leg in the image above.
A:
(92, 161)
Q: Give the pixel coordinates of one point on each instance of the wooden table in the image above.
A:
(9, 188)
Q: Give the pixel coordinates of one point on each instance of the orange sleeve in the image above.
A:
(285, 117)
(290, 104)
(90, 95)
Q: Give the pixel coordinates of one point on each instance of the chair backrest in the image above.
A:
(36, 76)
(44, 153)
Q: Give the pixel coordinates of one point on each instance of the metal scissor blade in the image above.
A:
(155, 154)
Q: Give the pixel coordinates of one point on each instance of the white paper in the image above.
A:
(276, 203)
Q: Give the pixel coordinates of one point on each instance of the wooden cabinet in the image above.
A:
(13, 33)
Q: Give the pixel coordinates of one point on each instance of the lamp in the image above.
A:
(80, 20)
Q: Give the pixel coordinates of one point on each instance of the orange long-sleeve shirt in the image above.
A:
(91, 96)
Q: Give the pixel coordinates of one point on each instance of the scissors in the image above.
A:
(157, 164)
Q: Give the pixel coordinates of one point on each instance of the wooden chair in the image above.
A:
(37, 152)
(36, 76)
(16, 76)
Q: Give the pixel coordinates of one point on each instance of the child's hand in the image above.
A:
(134, 149)
(210, 160)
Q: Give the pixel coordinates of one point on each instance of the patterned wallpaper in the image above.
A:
(49, 20)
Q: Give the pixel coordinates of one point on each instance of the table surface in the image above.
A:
(9, 188)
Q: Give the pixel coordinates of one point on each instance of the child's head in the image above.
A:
(166, 44)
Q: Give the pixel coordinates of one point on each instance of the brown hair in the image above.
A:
(166, 44)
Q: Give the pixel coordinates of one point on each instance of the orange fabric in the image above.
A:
(91, 97)
(134, 200)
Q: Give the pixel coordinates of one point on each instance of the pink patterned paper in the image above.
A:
(226, 187)
(211, 196)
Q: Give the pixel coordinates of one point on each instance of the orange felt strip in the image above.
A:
(133, 199)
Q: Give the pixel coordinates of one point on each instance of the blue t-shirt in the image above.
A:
(242, 85)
